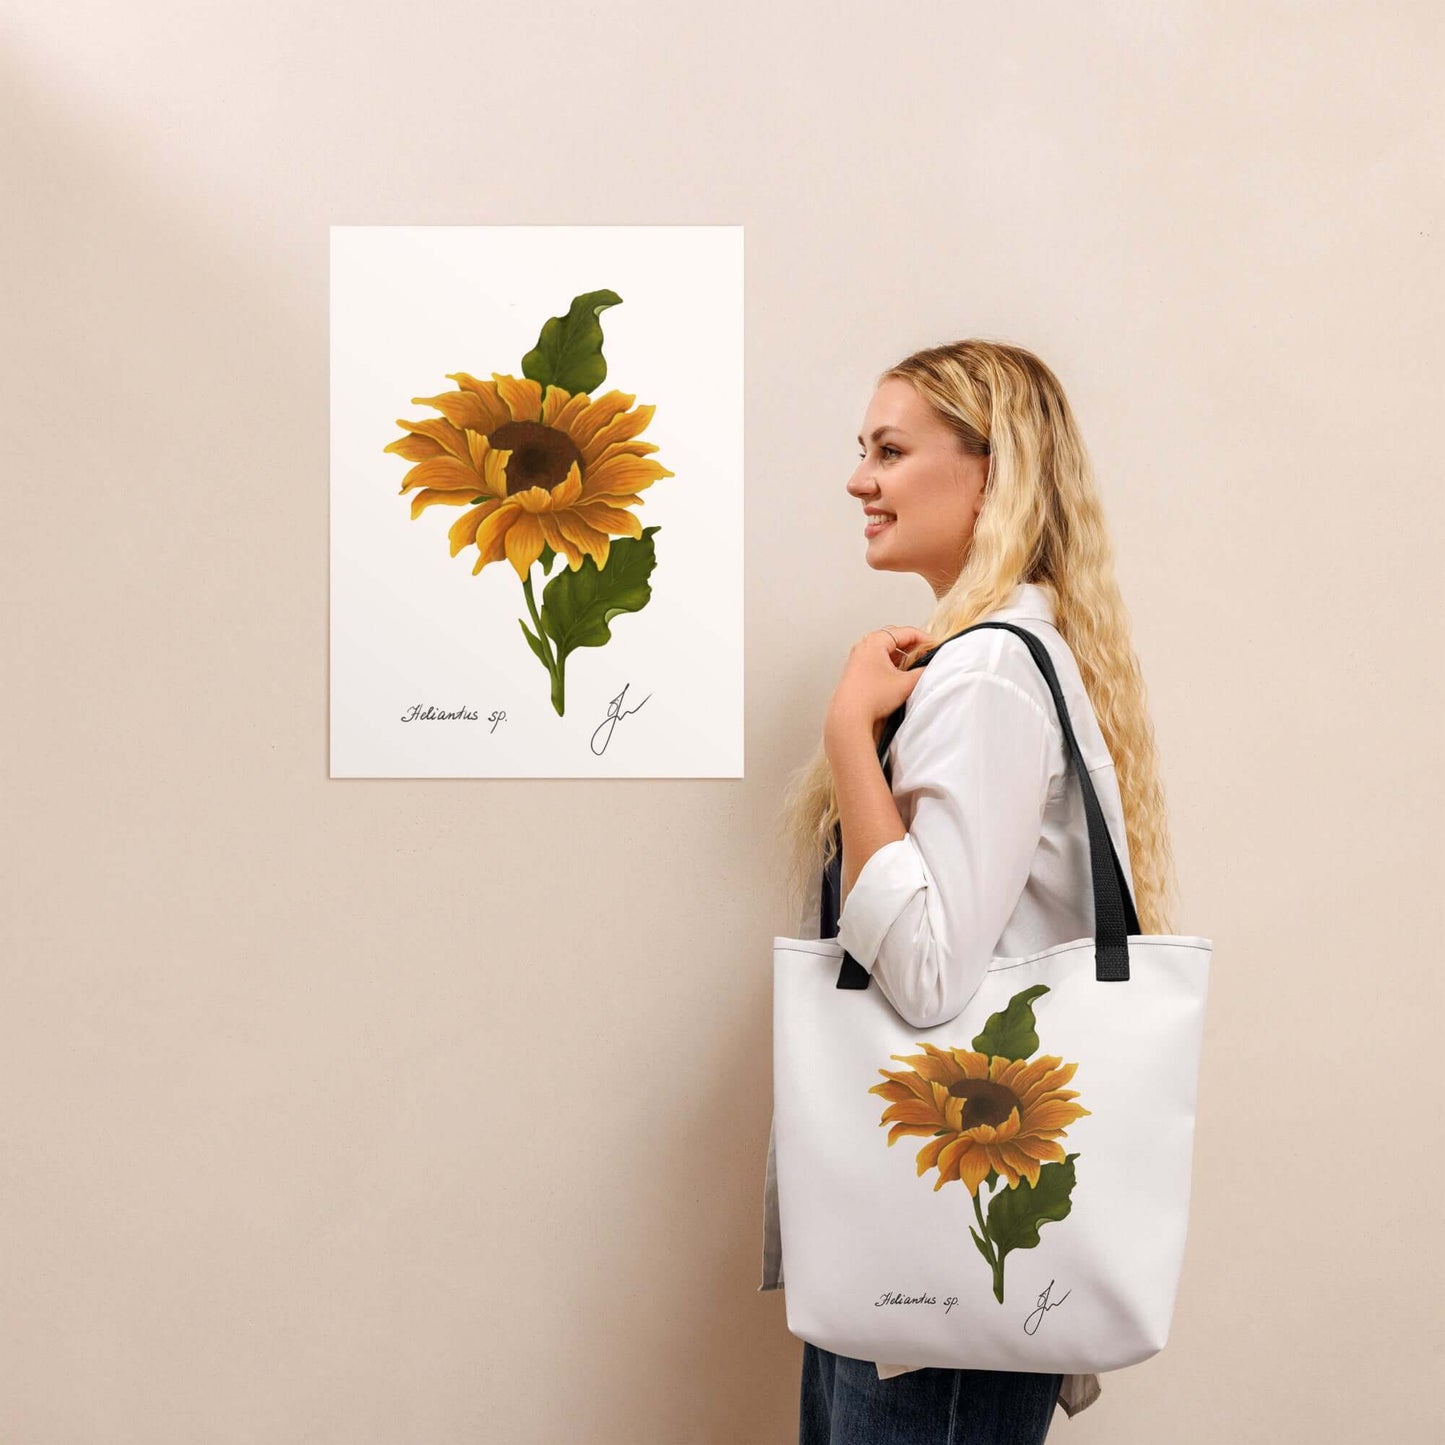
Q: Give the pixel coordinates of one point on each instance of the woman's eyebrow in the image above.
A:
(879, 430)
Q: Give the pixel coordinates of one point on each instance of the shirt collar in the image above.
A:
(1028, 600)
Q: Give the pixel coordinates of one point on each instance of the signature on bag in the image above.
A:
(1045, 1304)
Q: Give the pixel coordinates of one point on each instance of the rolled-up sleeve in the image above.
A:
(973, 763)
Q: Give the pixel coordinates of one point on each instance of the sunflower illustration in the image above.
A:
(544, 470)
(560, 470)
(992, 1113)
(982, 1113)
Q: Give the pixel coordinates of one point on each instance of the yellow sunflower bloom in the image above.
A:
(981, 1112)
(561, 470)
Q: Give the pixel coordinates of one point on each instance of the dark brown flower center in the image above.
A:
(541, 455)
(987, 1102)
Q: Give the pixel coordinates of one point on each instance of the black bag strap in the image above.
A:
(1114, 915)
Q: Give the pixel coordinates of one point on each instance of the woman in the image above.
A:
(973, 475)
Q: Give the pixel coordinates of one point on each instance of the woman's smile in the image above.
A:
(875, 525)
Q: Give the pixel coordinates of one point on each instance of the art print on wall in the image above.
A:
(536, 501)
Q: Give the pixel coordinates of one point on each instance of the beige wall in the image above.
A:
(339, 1112)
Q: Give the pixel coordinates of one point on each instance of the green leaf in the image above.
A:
(1014, 1215)
(548, 556)
(534, 642)
(1010, 1033)
(568, 352)
(983, 1249)
(578, 607)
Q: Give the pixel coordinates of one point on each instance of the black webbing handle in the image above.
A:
(1114, 915)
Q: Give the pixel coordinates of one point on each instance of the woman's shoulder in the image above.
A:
(1007, 660)
(1002, 654)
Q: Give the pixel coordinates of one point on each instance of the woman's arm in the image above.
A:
(873, 686)
(974, 758)
(868, 815)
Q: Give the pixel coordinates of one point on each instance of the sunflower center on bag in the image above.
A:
(987, 1103)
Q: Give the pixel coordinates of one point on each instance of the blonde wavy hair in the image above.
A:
(1041, 521)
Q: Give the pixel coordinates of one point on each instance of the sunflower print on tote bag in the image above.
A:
(992, 1112)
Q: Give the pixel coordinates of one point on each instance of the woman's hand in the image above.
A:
(873, 684)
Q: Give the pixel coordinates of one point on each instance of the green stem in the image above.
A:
(983, 1230)
(993, 1258)
(537, 622)
(554, 664)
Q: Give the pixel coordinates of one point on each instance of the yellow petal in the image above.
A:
(619, 429)
(430, 497)
(902, 1131)
(569, 489)
(586, 538)
(597, 416)
(446, 474)
(494, 471)
(971, 1063)
(1052, 1114)
(901, 1086)
(522, 395)
(617, 520)
(463, 532)
(928, 1155)
(566, 417)
(912, 1111)
(555, 403)
(1046, 1151)
(461, 408)
(973, 1168)
(1018, 1162)
(557, 541)
(633, 448)
(953, 1146)
(533, 499)
(415, 447)
(623, 474)
(493, 407)
(1010, 1126)
(492, 535)
(524, 543)
(452, 439)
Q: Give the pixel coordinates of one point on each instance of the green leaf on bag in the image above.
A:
(578, 607)
(983, 1249)
(1014, 1215)
(1010, 1033)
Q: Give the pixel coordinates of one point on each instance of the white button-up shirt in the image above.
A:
(995, 861)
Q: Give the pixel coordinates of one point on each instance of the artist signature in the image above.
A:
(1045, 1304)
(614, 714)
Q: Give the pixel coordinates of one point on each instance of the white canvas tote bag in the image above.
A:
(1009, 1190)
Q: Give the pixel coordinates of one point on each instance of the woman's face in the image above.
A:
(911, 468)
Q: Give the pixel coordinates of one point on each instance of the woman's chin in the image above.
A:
(881, 559)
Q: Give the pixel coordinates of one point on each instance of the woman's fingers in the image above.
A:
(902, 639)
(906, 635)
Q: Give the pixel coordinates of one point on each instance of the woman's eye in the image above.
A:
(884, 448)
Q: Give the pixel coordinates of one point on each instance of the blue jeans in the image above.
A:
(844, 1402)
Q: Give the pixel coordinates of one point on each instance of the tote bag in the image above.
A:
(1071, 1074)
